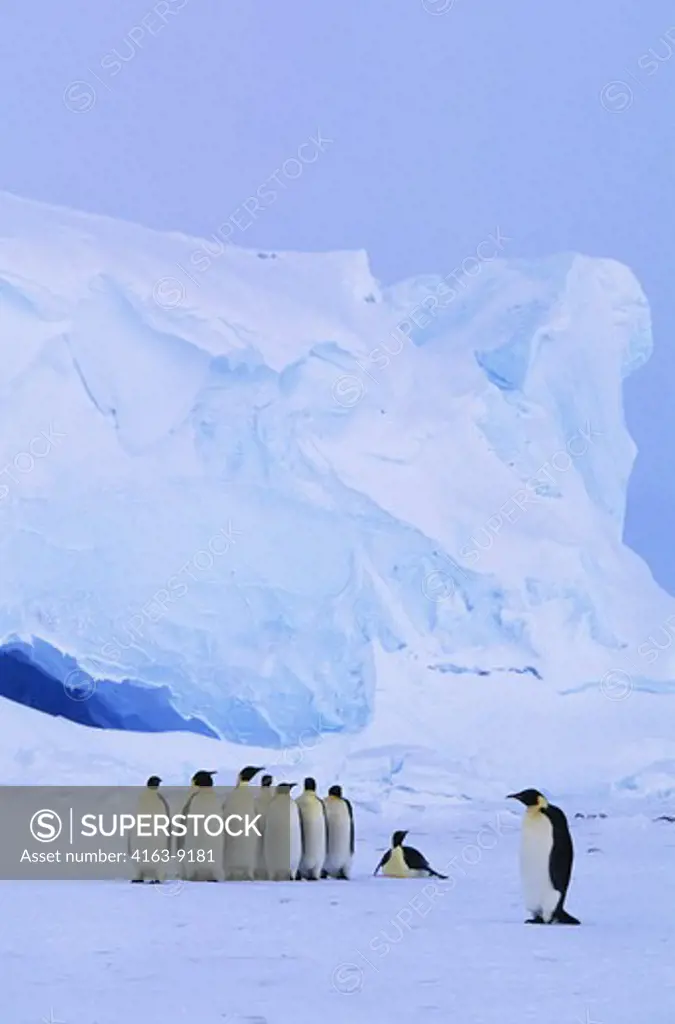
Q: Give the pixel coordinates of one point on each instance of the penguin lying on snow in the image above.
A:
(405, 861)
(546, 856)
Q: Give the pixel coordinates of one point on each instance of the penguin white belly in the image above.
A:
(203, 853)
(146, 852)
(535, 852)
(396, 866)
(338, 853)
(296, 841)
(261, 806)
(313, 836)
(145, 856)
(241, 852)
(281, 838)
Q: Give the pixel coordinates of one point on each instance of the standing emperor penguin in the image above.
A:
(546, 856)
(264, 797)
(241, 851)
(405, 861)
(203, 860)
(282, 842)
(314, 828)
(152, 802)
(340, 845)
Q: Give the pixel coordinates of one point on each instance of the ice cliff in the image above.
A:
(268, 497)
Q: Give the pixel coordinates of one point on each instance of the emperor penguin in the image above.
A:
(241, 851)
(405, 861)
(282, 842)
(203, 852)
(264, 796)
(546, 856)
(313, 827)
(142, 848)
(340, 831)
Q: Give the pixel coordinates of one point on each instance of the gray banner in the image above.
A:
(133, 833)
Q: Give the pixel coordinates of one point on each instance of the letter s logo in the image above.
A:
(45, 826)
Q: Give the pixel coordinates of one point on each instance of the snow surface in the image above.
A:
(369, 950)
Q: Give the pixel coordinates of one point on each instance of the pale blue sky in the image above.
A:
(443, 126)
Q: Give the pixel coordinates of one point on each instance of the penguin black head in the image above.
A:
(398, 837)
(335, 791)
(266, 780)
(246, 774)
(310, 784)
(153, 782)
(203, 778)
(286, 787)
(529, 797)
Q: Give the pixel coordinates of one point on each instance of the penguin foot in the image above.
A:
(137, 881)
(537, 919)
(155, 881)
(562, 917)
(342, 875)
(324, 874)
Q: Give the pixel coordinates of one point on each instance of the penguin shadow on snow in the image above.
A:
(546, 858)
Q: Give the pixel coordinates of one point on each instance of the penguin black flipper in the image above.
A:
(351, 827)
(303, 845)
(416, 861)
(325, 823)
(187, 806)
(562, 853)
(168, 814)
(180, 841)
(385, 860)
(560, 861)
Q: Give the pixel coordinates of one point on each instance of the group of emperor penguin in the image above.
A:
(294, 839)
(319, 835)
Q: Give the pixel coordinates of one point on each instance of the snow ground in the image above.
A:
(369, 950)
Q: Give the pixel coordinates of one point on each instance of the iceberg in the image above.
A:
(275, 499)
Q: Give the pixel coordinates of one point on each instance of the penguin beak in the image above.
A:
(514, 796)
